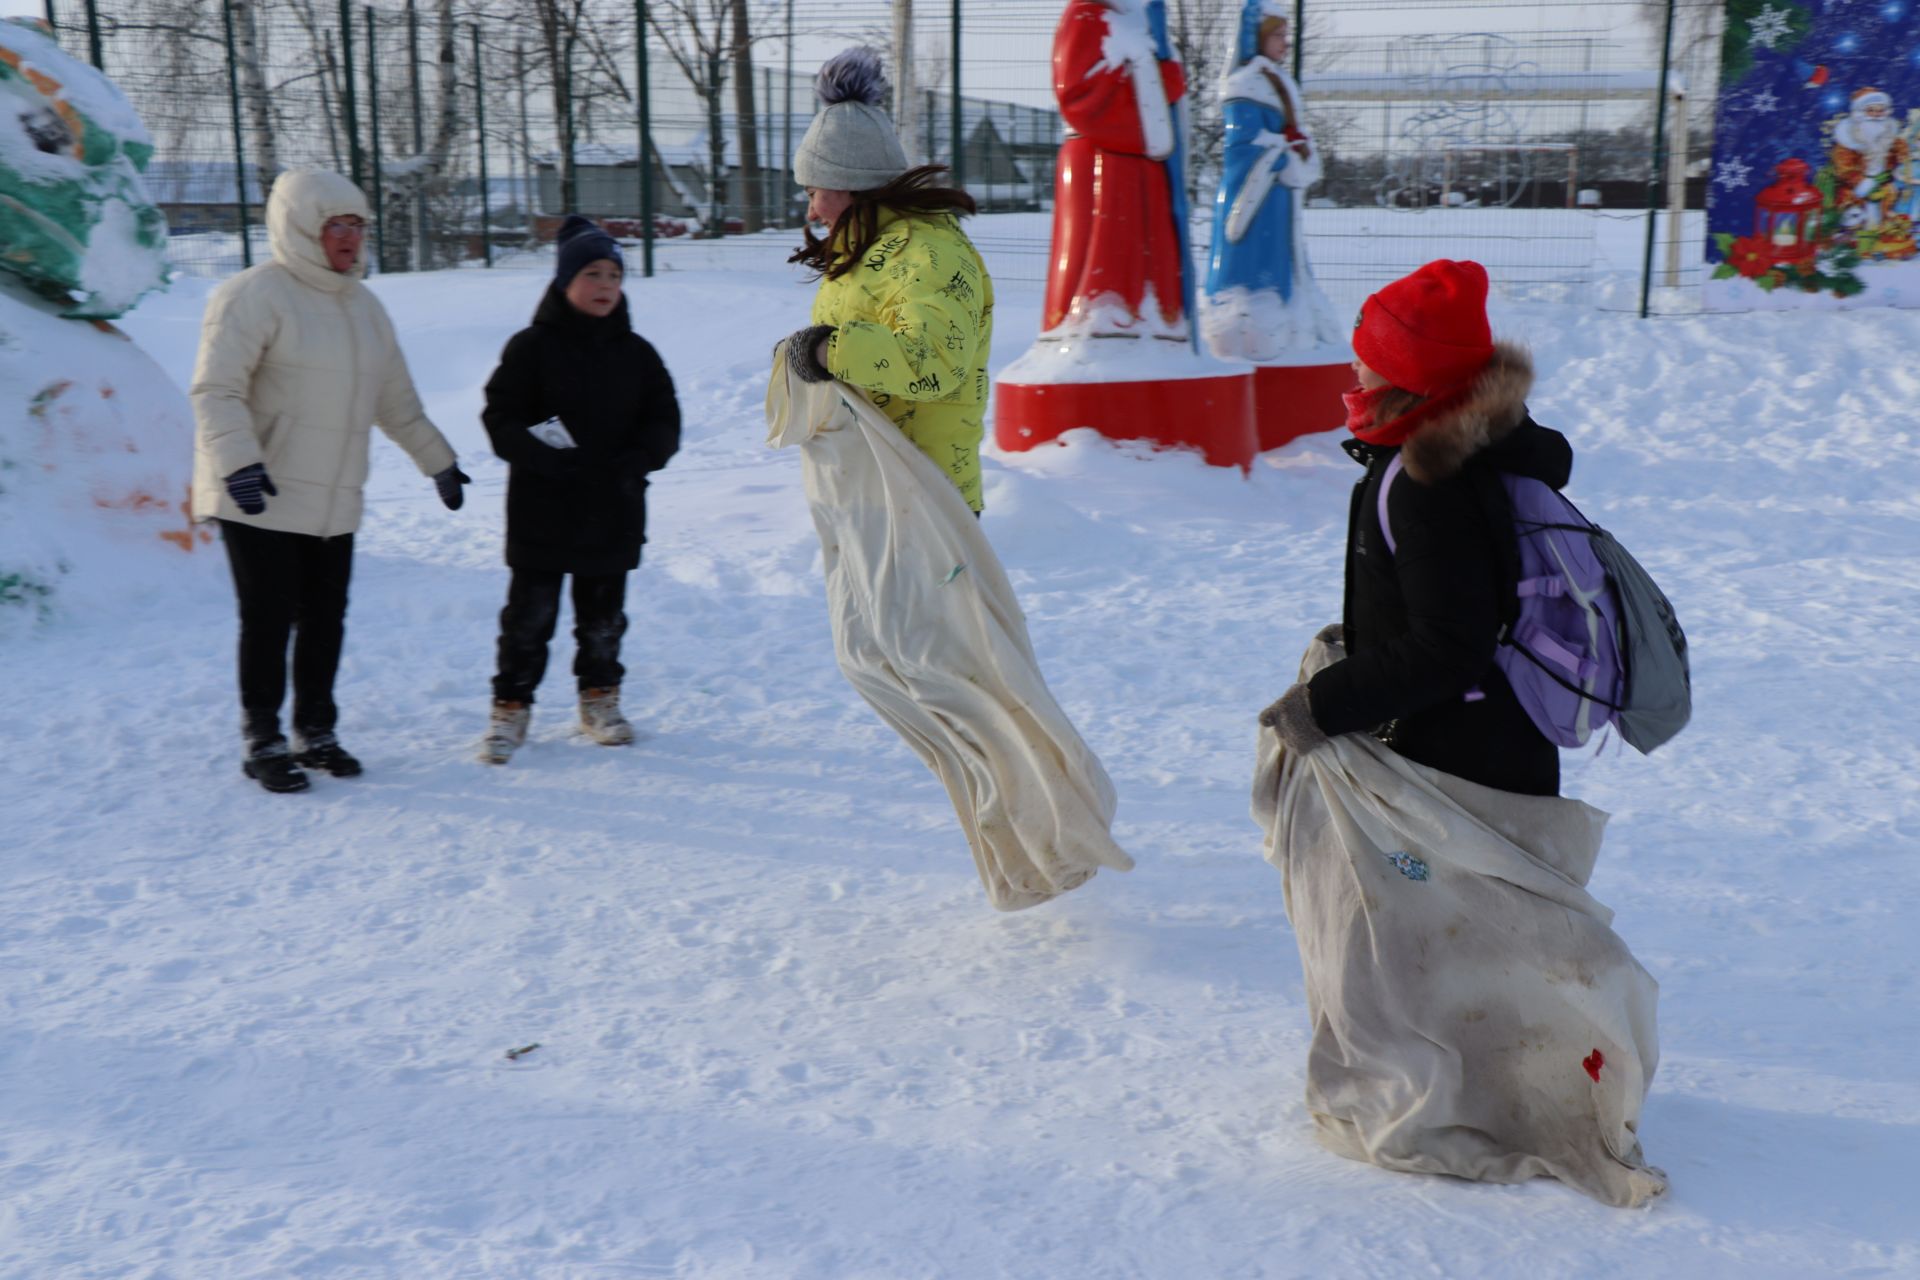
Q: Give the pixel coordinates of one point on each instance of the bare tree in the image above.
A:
(708, 40)
(1697, 29)
(753, 197)
(423, 171)
(695, 34)
(930, 85)
(558, 22)
(905, 118)
(250, 54)
(1201, 32)
(332, 80)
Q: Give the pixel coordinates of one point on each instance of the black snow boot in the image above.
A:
(271, 765)
(323, 751)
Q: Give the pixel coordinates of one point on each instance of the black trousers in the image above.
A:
(288, 584)
(527, 623)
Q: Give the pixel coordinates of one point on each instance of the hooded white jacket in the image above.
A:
(297, 361)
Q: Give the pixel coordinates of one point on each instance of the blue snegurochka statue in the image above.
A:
(1262, 302)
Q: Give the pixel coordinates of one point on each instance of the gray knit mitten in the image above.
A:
(800, 358)
(1292, 718)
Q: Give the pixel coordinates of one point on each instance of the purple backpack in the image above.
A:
(1586, 639)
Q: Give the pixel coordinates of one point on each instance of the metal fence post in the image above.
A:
(239, 140)
(53, 19)
(764, 179)
(422, 247)
(1299, 34)
(480, 117)
(786, 146)
(348, 99)
(569, 175)
(93, 36)
(643, 111)
(959, 149)
(1659, 162)
(373, 136)
(529, 197)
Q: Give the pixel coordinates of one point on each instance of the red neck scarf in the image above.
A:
(1363, 404)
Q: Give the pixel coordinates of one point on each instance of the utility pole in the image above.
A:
(959, 145)
(904, 119)
(786, 144)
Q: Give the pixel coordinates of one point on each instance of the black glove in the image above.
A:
(800, 358)
(1291, 716)
(448, 482)
(250, 487)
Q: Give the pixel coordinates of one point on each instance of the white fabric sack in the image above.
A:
(1473, 1012)
(927, 629)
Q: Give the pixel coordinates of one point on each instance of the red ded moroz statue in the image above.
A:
(1116, 350)
(1117, 248)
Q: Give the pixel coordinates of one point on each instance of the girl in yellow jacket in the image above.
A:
(905, 307)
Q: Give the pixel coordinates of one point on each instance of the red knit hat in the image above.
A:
(1427, 333)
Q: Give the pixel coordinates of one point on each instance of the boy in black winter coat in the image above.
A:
(1422, 620)
(582, 410)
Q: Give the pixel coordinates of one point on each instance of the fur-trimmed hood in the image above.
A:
(1492, 409)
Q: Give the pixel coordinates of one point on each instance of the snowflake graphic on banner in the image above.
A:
(1732, 172)
(1765, 28)
(1763, 102)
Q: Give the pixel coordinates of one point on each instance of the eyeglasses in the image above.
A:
(343, 227)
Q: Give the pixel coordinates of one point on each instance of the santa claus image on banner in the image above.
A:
(1119, 215)
(1869, 157)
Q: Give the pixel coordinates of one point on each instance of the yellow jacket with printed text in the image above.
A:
(913, 322)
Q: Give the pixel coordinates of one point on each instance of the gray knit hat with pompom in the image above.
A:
(851, 144)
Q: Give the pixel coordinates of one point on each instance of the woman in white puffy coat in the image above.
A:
(297, 362)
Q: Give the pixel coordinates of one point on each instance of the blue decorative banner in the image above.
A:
(1815, 189)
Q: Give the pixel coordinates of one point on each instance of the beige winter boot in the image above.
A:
(506, 731)
(600, 717)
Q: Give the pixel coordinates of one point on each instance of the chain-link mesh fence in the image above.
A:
(1565, 145)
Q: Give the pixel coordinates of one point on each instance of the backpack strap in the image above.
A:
(1475, 694)
(1386, 486)
(1498, 507)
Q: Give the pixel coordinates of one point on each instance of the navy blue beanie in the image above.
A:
(582, 243)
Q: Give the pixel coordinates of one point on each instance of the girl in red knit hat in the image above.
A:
(1473, 1012)
(1421, 620)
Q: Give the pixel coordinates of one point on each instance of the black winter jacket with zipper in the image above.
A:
(1422, 621)
(580, 510)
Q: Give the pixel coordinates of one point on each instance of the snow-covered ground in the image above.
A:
(781, 1035)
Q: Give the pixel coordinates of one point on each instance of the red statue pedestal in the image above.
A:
(1299, 397)
(1128, 388)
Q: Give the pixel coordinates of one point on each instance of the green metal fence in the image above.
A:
(1545, 138)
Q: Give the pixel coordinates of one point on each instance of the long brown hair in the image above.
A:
(858, 225)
